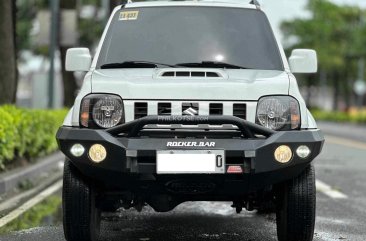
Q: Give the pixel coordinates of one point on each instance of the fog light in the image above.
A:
(77, 150)
(283, 154)
(303, 151)
(97, 153)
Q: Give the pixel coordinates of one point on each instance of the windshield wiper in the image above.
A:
(212, 64)
(149, 64)
(134, 64)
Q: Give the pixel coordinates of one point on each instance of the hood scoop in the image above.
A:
(189, 73)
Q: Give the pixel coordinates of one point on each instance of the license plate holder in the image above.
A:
(190, 162)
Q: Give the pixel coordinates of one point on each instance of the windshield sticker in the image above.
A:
(128, 15)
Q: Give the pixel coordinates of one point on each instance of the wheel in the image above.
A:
(81, 219)
(295, 208)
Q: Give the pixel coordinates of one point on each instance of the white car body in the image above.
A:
(227, 124)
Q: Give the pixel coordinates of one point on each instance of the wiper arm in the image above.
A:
(134, 64)
(212, 64)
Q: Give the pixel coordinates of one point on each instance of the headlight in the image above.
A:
(278, 113)
(107, 112)
(104, 111)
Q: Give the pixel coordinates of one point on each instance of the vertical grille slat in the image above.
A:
(216, 109)
(164, 108)
(240, 110)
(140, 110)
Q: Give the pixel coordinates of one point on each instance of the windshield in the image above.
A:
(176, 35)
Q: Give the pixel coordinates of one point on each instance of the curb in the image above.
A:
(8, 204)
(11, 180)
(346, 130)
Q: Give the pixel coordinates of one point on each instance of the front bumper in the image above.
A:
(131, 157)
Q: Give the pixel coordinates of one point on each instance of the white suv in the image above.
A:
(189, 101)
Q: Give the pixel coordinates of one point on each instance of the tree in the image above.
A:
(69, 81)
(336, 34)
(113, 4)
(89, 32)
(8, 70)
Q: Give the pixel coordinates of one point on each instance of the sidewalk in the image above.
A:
(346, 130)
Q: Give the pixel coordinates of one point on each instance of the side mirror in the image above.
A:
(78, 59)
(303, 61)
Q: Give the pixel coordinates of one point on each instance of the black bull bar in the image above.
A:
(248, 129)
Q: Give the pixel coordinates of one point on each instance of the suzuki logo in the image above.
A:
(190, 111)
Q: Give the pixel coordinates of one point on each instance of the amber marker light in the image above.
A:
(84, 113)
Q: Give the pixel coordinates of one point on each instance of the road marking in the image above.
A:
(329, 191)
(345, 142)
(30, 203)
(326, 236)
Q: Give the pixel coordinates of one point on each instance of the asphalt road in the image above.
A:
(341, 206)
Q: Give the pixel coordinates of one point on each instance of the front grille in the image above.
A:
(240, 110)
(216, 109)
(140, 109)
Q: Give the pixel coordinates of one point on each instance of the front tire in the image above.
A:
(81, 218)
(296, 202)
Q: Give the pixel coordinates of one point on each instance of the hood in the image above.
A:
(149, 84)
